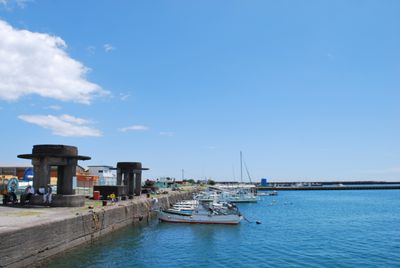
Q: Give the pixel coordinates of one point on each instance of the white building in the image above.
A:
(107, 174)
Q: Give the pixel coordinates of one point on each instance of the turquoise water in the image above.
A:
(299, 229)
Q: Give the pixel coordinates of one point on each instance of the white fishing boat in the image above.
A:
(203, 214)
(185, 207)
(232, 195)
(239, 196)
(207, 196)
(267, 193)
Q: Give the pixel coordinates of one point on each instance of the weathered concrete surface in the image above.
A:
(30, 235)
(59, 200)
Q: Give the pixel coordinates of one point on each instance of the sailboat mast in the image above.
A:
(241, 167)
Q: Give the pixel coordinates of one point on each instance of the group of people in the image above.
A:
(29, 192)
(11, 196)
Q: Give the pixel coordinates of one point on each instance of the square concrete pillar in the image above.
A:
(119, 177)
(131, 184)
(42, 173)
(125, 176)
(138, 183)
(69, 175)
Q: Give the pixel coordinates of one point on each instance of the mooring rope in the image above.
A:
(257, 222)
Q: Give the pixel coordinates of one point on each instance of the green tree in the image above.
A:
(211, 182)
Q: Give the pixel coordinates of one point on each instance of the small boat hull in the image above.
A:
(242, 200)
(200, 218)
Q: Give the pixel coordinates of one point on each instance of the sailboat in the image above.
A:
(243, 193)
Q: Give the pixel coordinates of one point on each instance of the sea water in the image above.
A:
(298, 229)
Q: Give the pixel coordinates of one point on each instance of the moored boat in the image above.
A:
(184, 207)
(203, 214)
(267, 193)
(240, 196)
(235, 195)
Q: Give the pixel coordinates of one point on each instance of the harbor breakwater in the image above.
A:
(34, 243)
(325, 188)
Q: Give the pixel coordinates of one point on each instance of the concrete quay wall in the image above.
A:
(33, 244)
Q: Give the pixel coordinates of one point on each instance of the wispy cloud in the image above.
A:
(167, 133)
(134, 128)
(123, 96)
(91, 50)
(18, 3)
(22, 3)
(54, 107)
(108, 47)
(59, 76)
(63, 125)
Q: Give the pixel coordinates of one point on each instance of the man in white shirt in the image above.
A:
(42, 191)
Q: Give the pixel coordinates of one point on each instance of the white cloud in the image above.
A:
(124, 97)
(36, 63)
(63, 125)
(54, 107)
(108, 47)
(22, 3)
(19, 3)
(134, 128)
(167, 133)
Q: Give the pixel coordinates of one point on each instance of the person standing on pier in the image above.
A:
(48, 195)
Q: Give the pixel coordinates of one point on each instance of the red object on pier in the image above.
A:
(96, 195)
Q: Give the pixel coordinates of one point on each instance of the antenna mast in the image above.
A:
(241, 167)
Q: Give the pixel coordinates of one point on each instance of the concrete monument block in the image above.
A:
(130, 175)
(65, 158)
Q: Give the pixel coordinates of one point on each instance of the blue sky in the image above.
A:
(308, 90)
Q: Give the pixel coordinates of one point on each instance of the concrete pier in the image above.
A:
(30, 235)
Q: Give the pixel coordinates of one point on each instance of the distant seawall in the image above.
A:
(33, 244)
(324, 188)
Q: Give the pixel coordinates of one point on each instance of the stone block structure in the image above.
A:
(130, 175)
(65, 158)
